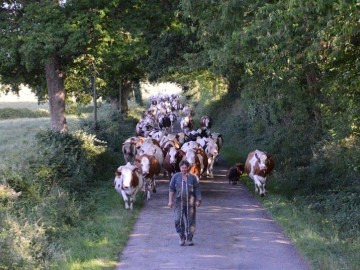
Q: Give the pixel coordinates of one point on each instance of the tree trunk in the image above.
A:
(93, 87)
(125, 91)
(233, 86)
(55, 78)
(312, 84)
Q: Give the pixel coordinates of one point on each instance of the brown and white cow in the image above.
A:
(128, 182)
(143, 140)
(149, 148)
(173, 119)
(129, 149)
(203, 160)
(149, 167)
(195, 161)
(258, 166)
(206, 122)
(172, 161)
(187, 124)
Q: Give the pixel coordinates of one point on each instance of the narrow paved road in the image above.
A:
(233, 232)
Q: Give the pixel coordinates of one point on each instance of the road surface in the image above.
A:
(233, 232)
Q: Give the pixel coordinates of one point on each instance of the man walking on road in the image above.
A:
(186, 188)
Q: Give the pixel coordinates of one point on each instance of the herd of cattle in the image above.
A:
(159, 148)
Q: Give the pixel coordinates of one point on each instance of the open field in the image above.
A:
(18, 135)
(26, 99)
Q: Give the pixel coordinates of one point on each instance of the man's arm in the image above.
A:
(197, 193)
(171, 199)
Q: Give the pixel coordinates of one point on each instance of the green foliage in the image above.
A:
(100, 235)
(313, 234)
(50, 195)
(292, 102)
(10, 113)
(111, 127)
(341, 208)
(23, 244)
(71, 159)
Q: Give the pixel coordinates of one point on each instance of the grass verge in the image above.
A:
(103, 230)
(315, 237)
(97, 242)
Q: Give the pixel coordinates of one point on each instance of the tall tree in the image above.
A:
(39, 42)
(133, 26)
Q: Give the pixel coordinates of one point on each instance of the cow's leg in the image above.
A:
(126, 199)
(131, 203)
(211, 168)
(262, 189)
(208, 170)
(259, 182)
(153, 185)
(256, 182)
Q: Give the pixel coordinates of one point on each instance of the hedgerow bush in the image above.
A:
(331, 184)
(11, 113)
(111, 127)
(71, 159)
(47, 192)
(24, 243)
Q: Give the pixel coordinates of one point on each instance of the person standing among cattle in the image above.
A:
(184, 197)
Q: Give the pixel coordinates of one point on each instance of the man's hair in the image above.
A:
(184, 163)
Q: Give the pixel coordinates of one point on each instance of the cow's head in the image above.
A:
(117, 180)
(265, 162)
(145, 165)
(261, 159)
(190, 157)
(172, 154)
(127, 178)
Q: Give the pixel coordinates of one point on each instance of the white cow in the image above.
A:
(190, 145)
(212, 151)
(152, 150)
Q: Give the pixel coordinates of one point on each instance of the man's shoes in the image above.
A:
(182, 241)
(189, 241)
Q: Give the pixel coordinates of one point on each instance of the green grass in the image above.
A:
(11, 113)
(18, 136)
(25, 104)
(97, 241)
(315, 238)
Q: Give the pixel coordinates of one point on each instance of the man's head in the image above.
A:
(184, 166)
